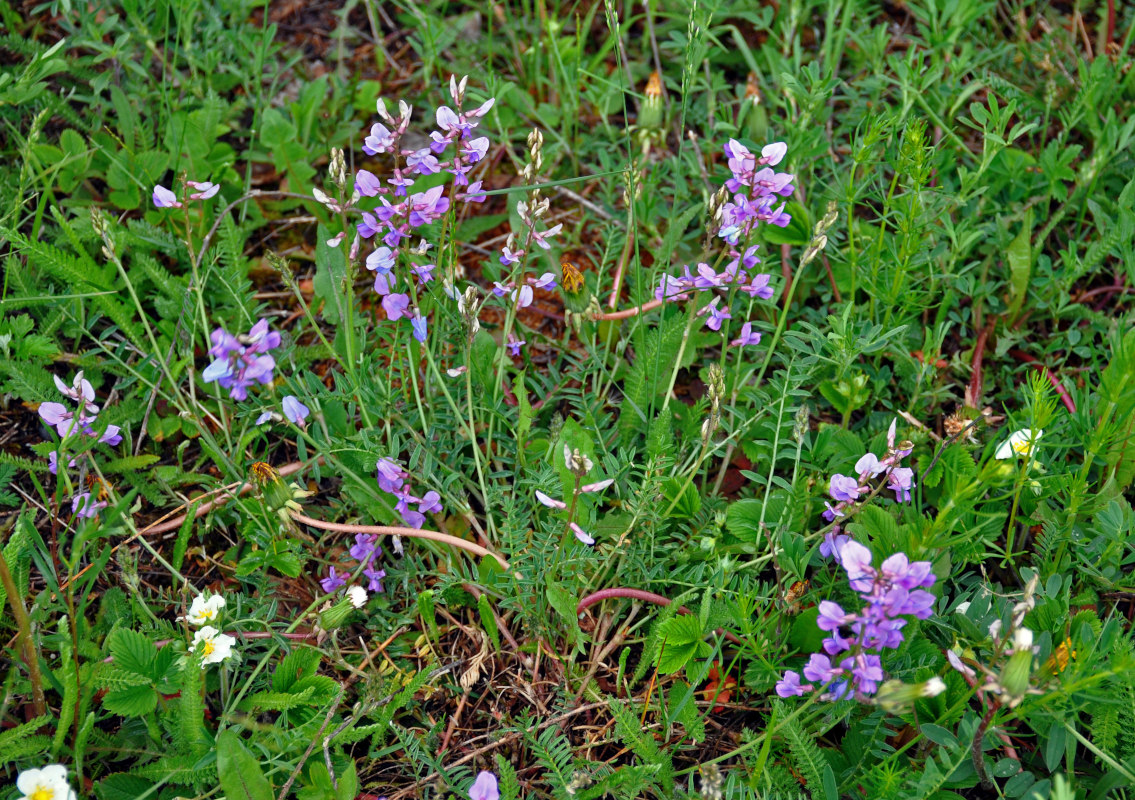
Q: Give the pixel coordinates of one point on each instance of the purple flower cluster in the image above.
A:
(392, 480)
(81, 420)
(399, 211)
(755, 189)
(738, 220)
(888, 593)
(845, 490)
(365, 551)
(240, 362)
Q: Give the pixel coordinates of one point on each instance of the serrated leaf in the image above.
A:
(278, 701)
(683, 641)
(132, 651)
(135, 701)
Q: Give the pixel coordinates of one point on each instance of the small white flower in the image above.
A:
(995, 629)
(212, 645)
(49, 783)
(1019, 443)
(204, 610)
(1022, 640)
(933, 687)
(358, 596)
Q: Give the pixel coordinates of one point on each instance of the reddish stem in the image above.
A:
(1020, 355)
(630, 312)
(646, 597)
(973, 393)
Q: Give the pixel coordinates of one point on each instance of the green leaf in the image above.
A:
(239, 773)
(300, 663)
(1020, 260)
(132, 651)
(275, 129)
(687, 504)
(683, 641)
(135, 701)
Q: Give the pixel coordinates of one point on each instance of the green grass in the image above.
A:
(959, 259)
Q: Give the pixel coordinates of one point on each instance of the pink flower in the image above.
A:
(205, 190)
(395, 306)
(485, 787)
(582, 535)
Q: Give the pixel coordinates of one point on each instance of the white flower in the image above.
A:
(358, 596)
(1022, 640)
(205, 610)
(212, 645)
(933, 687)
(49, 783)
(1019, 443)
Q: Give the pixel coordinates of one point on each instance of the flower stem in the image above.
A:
(410, 533)
(27, 643)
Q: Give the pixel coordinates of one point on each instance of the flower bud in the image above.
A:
(334, 617)
(1014, 679)
(650, 117)
(894, 695)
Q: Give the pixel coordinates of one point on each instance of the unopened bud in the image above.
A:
(334, 617)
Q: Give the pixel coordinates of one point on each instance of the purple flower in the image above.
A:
(856, 560)
(509, 258)
(514, 344)
(238, 365)
(540, 236)
(545, 281)
(901, 480)
(374, 578)
(832, 617)
(475, 149)
(869, 465)
(819, 669)
(164, 198)
(790, 686)
(831, 544)
(390, 475)
(381, 260)
(413, 519)
(427, 206)
(843, 489)
(379, 141)
(53, 462)
(430, 503)
(669, 288)
(901, 571)
(758, 287)
(332, 581)
(58, 415)
(425, 272)
(423, 161)
(747, 337)
(395, 306)
(400, 183)
(364, 546)
(716, 317)
(706, 277)
(522, 296)
(111, 436)
(368, 227)
(550, 502)
(384, 283)
(582, 535)
(295, 411)
(367, 183)
(85, 507)
(205, 190)
(772, 154)
(485, 787)
(473, 193)
(420, 326)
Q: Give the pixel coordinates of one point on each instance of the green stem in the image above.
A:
(27, 643)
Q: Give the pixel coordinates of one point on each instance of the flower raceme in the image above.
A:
(241, 362)
(454, 149)
(851, 664)
(580, 465)
(755, 187)
(164, 198)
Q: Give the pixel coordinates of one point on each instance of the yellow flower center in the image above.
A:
(42, 793)
(1022, 448)
(208, 613)
(207, 648)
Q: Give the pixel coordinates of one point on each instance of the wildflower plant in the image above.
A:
(703, 410)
